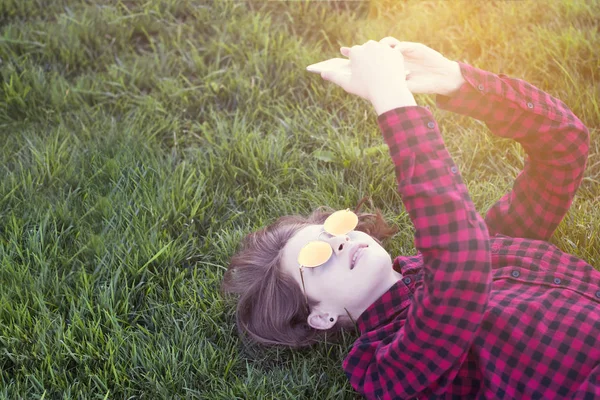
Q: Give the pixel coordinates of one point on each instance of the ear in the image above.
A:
(319, 319)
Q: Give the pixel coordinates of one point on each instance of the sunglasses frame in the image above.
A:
(301, 267)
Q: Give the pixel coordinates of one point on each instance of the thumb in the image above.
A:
(340, 79)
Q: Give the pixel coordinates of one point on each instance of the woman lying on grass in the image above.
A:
(487, 308)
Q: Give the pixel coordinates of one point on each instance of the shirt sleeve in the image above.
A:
(446, 312)
(555, 141)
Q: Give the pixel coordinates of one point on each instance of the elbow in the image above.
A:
(574, 147)
(584, 148)
(574, 163)
(578, 149)
(581, 139)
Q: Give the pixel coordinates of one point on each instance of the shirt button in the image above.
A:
(431, 125)
(407, 280)
(598, 294)
(480, 87)
(557, 281)
(454, 170)
(515, 274)
(530, 105)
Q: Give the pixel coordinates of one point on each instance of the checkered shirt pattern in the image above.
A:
(487, 308)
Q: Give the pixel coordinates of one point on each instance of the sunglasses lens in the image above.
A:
(341, 222)
(314, 254)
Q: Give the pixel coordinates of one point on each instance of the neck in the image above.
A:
(377, 292)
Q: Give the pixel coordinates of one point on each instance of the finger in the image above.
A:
(399, 51)
(370, 43)
(354, 50)
(390, 41)
(407, 47)
(411, 67)
(340, 79)
(396, 44)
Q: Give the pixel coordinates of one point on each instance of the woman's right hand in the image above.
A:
(377, 74)
(430, 72)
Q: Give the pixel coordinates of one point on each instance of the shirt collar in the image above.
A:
(384, 309)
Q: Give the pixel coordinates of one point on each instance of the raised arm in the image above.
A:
(446, 312)
(555, 140)
(445, 315)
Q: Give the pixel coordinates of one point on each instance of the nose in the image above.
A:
(339, 243)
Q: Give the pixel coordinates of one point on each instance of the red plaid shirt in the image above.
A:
(487, 308)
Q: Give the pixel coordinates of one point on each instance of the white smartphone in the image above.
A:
(341, 65)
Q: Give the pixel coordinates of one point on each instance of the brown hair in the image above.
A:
(271, 308)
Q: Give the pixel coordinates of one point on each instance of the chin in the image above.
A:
(383, 261)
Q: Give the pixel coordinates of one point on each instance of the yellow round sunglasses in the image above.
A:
(318, 252)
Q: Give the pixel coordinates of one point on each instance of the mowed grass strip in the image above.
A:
(143, 140)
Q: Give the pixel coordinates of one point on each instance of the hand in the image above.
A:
(376, 69)
(430, 71)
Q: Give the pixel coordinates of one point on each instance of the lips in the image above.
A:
(356, 249)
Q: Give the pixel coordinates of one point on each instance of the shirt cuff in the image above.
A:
(409, 127)
(477, 84)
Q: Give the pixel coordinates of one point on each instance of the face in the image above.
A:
(341, 283)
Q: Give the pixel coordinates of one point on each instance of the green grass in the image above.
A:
(142, 140)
